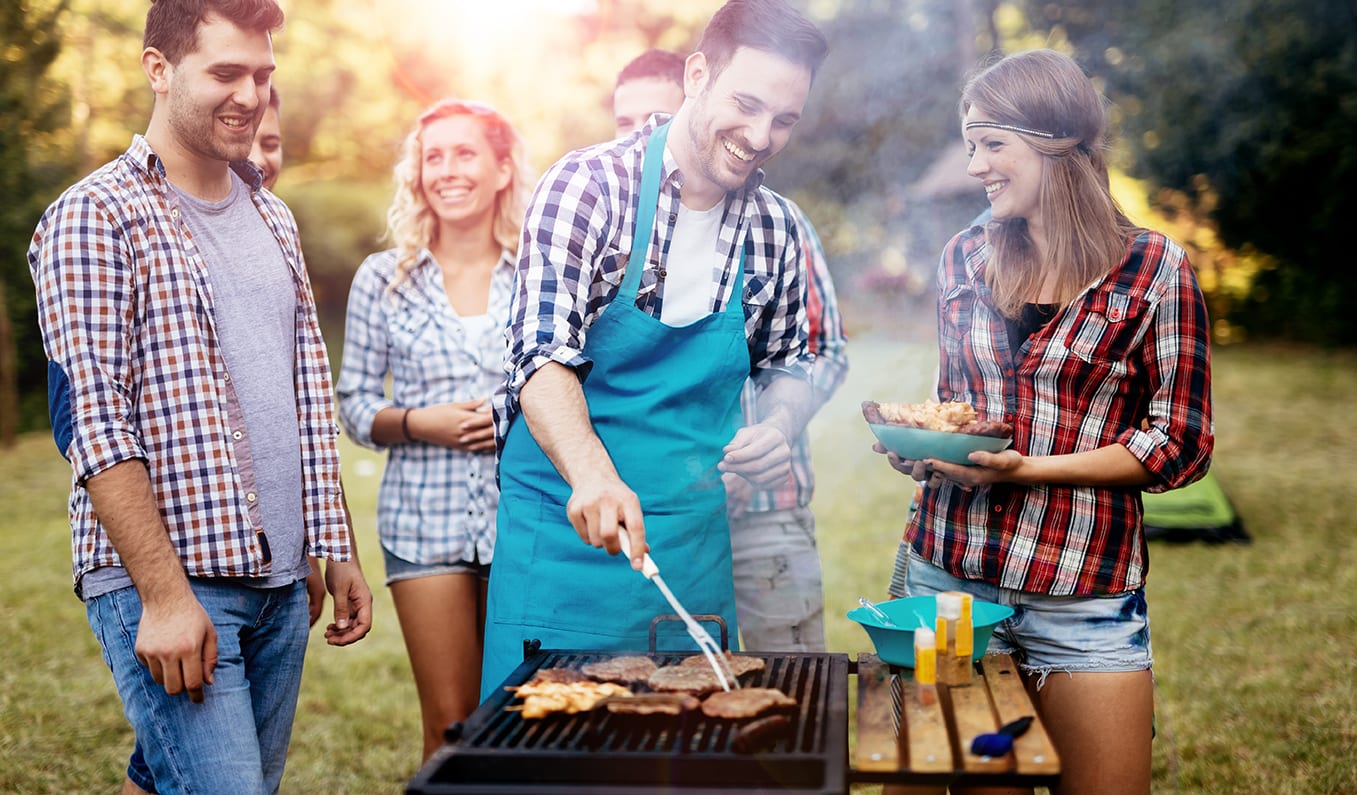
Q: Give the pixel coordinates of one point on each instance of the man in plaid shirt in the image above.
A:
(190, 390)
(656, 275)
(779, 595)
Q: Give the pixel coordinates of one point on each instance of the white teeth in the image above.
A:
(993, 187)
(235, 122)
(737, 151)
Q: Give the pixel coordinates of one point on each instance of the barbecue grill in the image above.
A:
(496, 751)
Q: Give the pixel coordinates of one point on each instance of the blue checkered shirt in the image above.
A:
(831, 367)
(436, 504)
(576, 241)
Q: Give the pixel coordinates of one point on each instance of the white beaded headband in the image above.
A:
(1012, 128)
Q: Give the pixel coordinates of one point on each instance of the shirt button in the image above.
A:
(998, 509)
(663, 273)
(174, 213)
(250, 496)
(237, 435)
(673, 217)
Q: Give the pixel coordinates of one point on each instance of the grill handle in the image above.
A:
(699, 618)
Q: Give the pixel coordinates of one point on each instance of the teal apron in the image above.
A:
(664, 401)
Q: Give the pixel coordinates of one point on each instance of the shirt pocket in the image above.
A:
(956, 312)
(1108, 327)
(430, 357)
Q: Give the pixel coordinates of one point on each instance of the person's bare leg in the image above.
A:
(130, 788)
(1101, 725)
(442, 620)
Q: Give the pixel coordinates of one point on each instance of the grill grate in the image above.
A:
(498, 751)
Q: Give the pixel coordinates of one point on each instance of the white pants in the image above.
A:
(779, 595)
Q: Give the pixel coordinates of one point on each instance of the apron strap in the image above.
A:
(651, 169)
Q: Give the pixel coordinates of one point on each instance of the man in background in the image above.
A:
(651, 83)
(779, 594)
(267, 152)
(191, 391)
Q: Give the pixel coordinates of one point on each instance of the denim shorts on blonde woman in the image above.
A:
(398, 569)
(1069, 634)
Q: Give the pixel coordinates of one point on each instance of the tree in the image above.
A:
(28, 108)
(1249, 107)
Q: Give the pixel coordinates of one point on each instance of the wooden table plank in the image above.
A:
(878, 747)
(973, 715)
(923, 732)
(1033, 752)
(903, 742)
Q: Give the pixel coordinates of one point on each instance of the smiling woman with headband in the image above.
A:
(1089, 335)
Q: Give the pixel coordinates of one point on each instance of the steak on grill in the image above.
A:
(684, 679)
(654, 704)
(556, 676)
(627, 670)
(740, 664)
(745, 703)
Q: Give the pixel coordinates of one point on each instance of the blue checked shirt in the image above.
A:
(436, 504)
(125, 306)
(831, 367)
(576, 241)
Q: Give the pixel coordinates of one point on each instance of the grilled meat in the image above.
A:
(745, 703)
(555, 676)
(544, 698)
(654, 704)
(684, 679)
(626, 670)
(740, 664)
(759, 735)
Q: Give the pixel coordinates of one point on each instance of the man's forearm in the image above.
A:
(557, 413)
(787, 404)
(122, 498)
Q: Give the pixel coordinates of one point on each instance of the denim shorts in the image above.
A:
(1070, 634)
(236, 740)
(398, 569)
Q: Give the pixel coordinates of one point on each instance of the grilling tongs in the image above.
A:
(713, 651)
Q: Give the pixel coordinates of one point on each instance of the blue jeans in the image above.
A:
(236, 740)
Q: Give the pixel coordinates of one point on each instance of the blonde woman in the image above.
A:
(1089, 335)
(430, 313)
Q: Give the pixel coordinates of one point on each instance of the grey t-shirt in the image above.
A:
(255, 313)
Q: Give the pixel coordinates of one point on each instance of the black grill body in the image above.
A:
(496, 751)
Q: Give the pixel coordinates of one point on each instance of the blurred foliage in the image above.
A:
(29, 108)
(1235, 127)
(1246, 109)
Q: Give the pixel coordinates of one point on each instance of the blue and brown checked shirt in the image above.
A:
(436, 504)
(576, 240)
(826, 341)
(125, 306)
(1126, 362)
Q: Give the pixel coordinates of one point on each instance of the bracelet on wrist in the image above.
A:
(405, 426)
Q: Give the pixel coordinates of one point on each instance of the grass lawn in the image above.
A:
(1255, 645)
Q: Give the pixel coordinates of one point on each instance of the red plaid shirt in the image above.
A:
(125, 307)
(1126, 362)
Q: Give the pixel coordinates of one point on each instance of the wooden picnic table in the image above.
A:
(902, 741)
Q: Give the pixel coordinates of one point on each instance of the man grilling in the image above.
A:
(656, 275)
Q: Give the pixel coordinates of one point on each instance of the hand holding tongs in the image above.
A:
(715, 655)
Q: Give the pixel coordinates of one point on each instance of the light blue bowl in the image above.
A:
(895, 644)
(917, 444)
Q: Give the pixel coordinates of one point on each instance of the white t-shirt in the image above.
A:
(693, 260)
